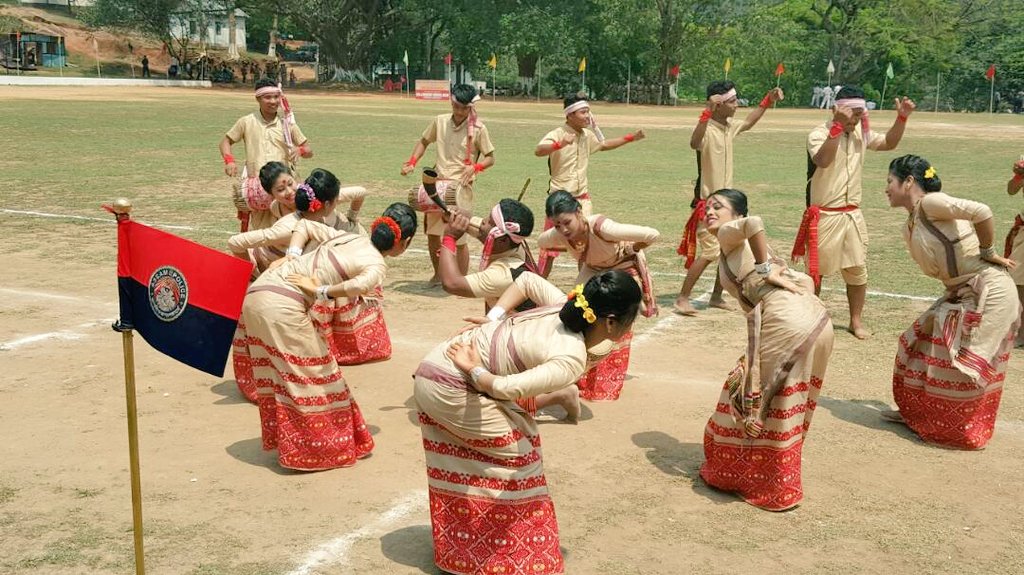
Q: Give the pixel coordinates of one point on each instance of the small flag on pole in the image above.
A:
(889, 73)
(780, 70)
(493, 62)
(405, 58)
(991, 72)
(674, 72)
(728, 65)
(831, 69)
(448, 59)
(182, 297)
(583, 65)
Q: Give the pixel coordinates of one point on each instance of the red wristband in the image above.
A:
(766, 102)
(1018, 178)
(835, 130)
(556, 146)
(629, 137)
(448, 243)
(412, 161)
(705, 116)
(478, 167)
(303, 150)
(901, 118)
(228, 159)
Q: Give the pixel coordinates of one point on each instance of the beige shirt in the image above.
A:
(340, 258)
(954, 219)
(839, 184)
(269, 244)
(491, 282)
(716, 156)
(609, 244)
(568, 166)
(262, 219)
(451, 144)
(264, 141)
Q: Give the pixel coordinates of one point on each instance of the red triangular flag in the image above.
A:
(448, 59)
(780, 69)
(991, 73)
(674, 71)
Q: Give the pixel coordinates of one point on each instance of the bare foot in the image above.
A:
(892, 416)
(721, 304)
(571, 403)
(434, 281)
(684, 307)
(859, 332)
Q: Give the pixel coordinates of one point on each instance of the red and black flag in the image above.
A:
(182, 297)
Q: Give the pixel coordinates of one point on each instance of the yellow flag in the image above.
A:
(728, 65)
(493, 62)
(583, 65)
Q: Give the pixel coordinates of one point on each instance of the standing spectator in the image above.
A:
(291, 79)
(145, 66)
(188, 69)
(245, 71)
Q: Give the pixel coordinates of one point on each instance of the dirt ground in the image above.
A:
(624, 481)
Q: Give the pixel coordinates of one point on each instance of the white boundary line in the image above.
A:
(336, 550)
(414, 250)
(64, 334)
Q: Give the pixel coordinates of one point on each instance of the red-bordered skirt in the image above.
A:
(307, 411)
(951, 363)
(489, 505)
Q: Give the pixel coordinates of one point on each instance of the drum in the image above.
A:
(421, 202)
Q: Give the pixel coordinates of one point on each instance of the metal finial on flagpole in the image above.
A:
(122, 208)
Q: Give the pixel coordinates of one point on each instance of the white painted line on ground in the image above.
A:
(65, 334)
(110, 220)
(417, 250)
(38, 294)
(336, 550)
(668, 318)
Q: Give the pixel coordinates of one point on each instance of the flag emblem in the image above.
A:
(168, 293)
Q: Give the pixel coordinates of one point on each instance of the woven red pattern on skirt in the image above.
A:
(314, 441)
(476, 535)
(765, 477)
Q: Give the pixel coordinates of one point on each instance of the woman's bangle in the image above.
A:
(988, 253)
(293, 252)
(476, 373)
(764, 268)
(321, 292)
(497, 313)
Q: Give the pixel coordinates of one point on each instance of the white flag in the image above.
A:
(831, 68)
(405, 58)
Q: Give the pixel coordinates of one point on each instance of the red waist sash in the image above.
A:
(688, 245)
(807, 238)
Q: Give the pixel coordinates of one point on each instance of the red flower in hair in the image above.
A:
(315, 205)
(389, 222)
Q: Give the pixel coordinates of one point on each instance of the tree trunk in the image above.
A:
(232, 42)
(272, 49)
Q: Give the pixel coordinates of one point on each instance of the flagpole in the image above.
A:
(494, 71)
(96, 46)
(122, 208)
(629, 77)
(537, 72)
(885, 84)
(63, 56)
(992, 94)
(938, 78)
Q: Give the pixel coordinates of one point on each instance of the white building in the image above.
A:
(215, 22)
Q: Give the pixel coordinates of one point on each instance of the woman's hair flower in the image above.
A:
(929, 173)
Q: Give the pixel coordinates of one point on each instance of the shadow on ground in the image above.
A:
(229, 392)
(679, 459)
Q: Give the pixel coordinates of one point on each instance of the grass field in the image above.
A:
(624, 482)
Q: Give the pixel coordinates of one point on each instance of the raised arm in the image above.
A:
(533, 287)
(307, 231)
(1017, 181)
(773, 95)
(548, 145)
(639, 236)
(551, 239)
(904, 107)
(452, 279)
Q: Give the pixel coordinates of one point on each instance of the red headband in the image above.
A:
(389, 222)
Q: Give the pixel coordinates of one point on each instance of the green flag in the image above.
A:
(888, 72)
